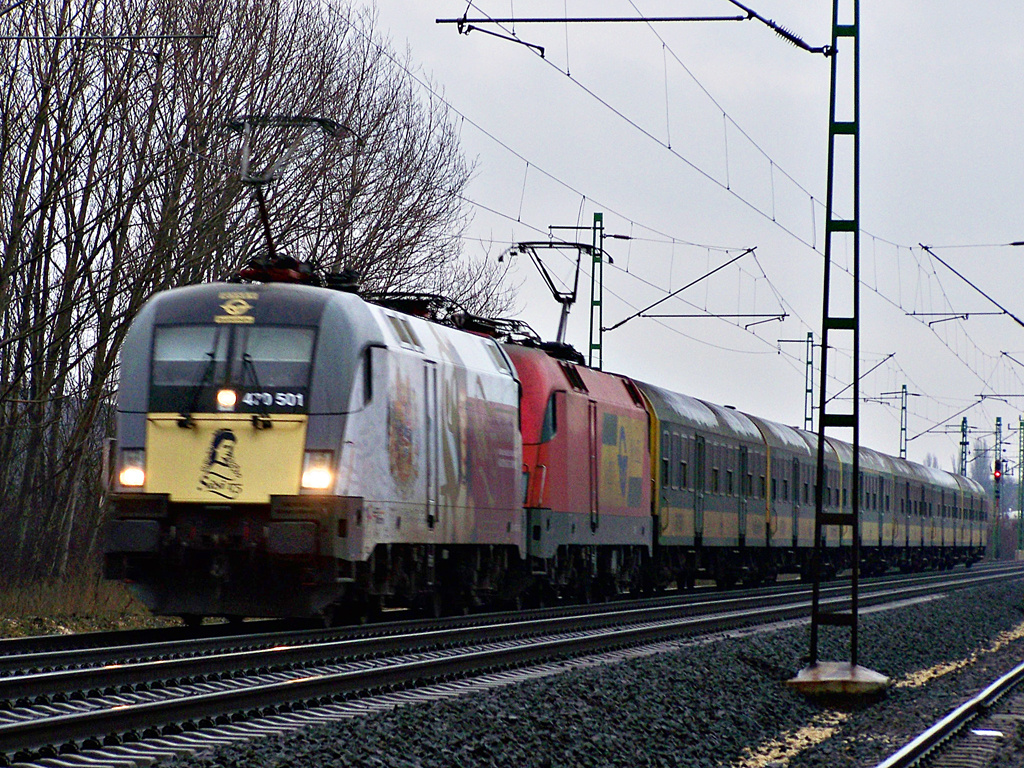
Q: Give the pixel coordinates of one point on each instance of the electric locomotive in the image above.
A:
(586, 466)
(286, 449)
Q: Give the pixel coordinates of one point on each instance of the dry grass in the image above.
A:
(66, 607)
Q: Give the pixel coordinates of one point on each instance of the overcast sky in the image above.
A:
(703, 139)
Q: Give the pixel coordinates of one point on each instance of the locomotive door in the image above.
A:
(430, 441)
(742, 524)
(595, 448)
(700, 453)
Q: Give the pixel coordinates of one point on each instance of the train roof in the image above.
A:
(269, 303)
(782, 436)
(969, 485)
(689, 411)
(875, 461)
(545, 373)
(724, 420)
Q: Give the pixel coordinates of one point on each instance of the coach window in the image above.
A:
(728, 482)
(677, 452)
(775, 488)
(714, 479)
(666, 459)
(785, 489)
(764, 486)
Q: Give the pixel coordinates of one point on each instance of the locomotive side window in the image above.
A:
(550, 424)
(368, 376)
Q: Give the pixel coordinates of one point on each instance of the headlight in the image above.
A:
(226, 399)
(317, 470)
(133, 468)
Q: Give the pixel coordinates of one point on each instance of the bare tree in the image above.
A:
(118, 178)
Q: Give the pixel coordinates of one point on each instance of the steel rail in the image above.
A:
(322, 687)
(58, 652)
(146, 669)
(955, 721)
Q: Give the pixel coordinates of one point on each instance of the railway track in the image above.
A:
(140, 693)
(992, 714)
(49, 652)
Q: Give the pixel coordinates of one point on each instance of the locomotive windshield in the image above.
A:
(280, 356)
(185, 355)
(268, 366)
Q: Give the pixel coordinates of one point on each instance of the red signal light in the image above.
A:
(998, 473)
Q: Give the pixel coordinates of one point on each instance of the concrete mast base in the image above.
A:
(838, 678)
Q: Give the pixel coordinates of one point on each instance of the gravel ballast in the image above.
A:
(719, 703)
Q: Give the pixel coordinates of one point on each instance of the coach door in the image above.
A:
(595, 454)
(794, 486)
(430, 440)
(699, 458)
(741, 530)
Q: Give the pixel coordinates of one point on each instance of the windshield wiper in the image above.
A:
(186, 421)
(260, 419)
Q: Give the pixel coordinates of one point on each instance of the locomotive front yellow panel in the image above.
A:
(224, 458)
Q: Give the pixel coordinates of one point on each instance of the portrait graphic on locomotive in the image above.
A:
(291, 450)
